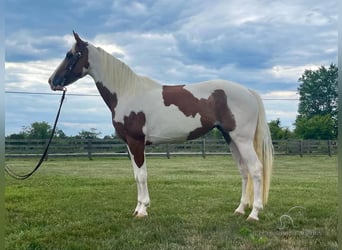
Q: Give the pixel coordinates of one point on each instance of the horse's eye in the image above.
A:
(69, 55)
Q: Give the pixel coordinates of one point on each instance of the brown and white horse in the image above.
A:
(145, 112)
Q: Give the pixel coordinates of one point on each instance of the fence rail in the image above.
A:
(114, 147)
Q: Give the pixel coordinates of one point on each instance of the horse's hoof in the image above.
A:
(140, 216)
(251, 218)
(237, 212)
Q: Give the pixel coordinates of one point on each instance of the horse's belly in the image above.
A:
(170, 125)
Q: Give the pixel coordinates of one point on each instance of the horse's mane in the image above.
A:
(120, 77)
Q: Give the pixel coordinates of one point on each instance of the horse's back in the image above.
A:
(239, 98)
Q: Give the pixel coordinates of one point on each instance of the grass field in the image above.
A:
(82, 204)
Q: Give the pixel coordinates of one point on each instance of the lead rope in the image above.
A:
(23, 177)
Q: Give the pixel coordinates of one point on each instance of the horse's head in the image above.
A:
(74, 66)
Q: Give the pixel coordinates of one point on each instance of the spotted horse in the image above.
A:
(146, 112)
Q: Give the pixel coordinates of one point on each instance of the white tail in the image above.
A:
(264, 149)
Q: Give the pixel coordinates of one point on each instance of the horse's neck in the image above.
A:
(117, 76)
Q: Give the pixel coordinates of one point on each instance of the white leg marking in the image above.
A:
(140, 176)
(256, 173)
(249, 159)
(244, 174)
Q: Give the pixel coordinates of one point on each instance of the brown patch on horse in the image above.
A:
(180, 97)
(109, 98)
(214, 110)
(131, 131)
(223, 113)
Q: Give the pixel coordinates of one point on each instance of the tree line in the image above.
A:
(316, 119)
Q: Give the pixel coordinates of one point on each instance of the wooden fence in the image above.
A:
(114, 147)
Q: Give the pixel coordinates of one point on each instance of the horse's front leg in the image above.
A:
(137, 154)
(140, 175)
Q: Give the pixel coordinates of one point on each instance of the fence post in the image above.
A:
(168, 151)
(89, 149)
(329, 148)
(47, 153)
(203, 147)
(301, 148)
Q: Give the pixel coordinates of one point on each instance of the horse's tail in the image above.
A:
(264, 149)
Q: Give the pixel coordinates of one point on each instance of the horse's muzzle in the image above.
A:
(56, 83)
(58, 87)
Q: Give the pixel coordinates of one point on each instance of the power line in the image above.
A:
(280, 99)
(45, 93)
(92, 95)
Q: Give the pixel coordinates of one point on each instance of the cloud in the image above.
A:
(251, 36)
(289, 73)
(32, 76)
(25, 45)
(28, 76)
(280, 95)
(149, 16)
(263, 48)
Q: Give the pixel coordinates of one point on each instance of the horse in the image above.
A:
(145, 112)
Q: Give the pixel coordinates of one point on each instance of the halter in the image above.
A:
(72, 61)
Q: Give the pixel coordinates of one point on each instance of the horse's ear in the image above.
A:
(77, 38)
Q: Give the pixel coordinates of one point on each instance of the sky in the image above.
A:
(264, 45)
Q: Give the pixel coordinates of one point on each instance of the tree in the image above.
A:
(92, 134)
(318, 97)
(37, 130)
(21, 135)
(278, 132)
(320, 127)
(109, 137)
(60, 133)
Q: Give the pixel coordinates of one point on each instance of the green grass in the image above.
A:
(82, 204)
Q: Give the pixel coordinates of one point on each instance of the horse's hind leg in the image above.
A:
(242, 168)
(244, 174)
(254, 167)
